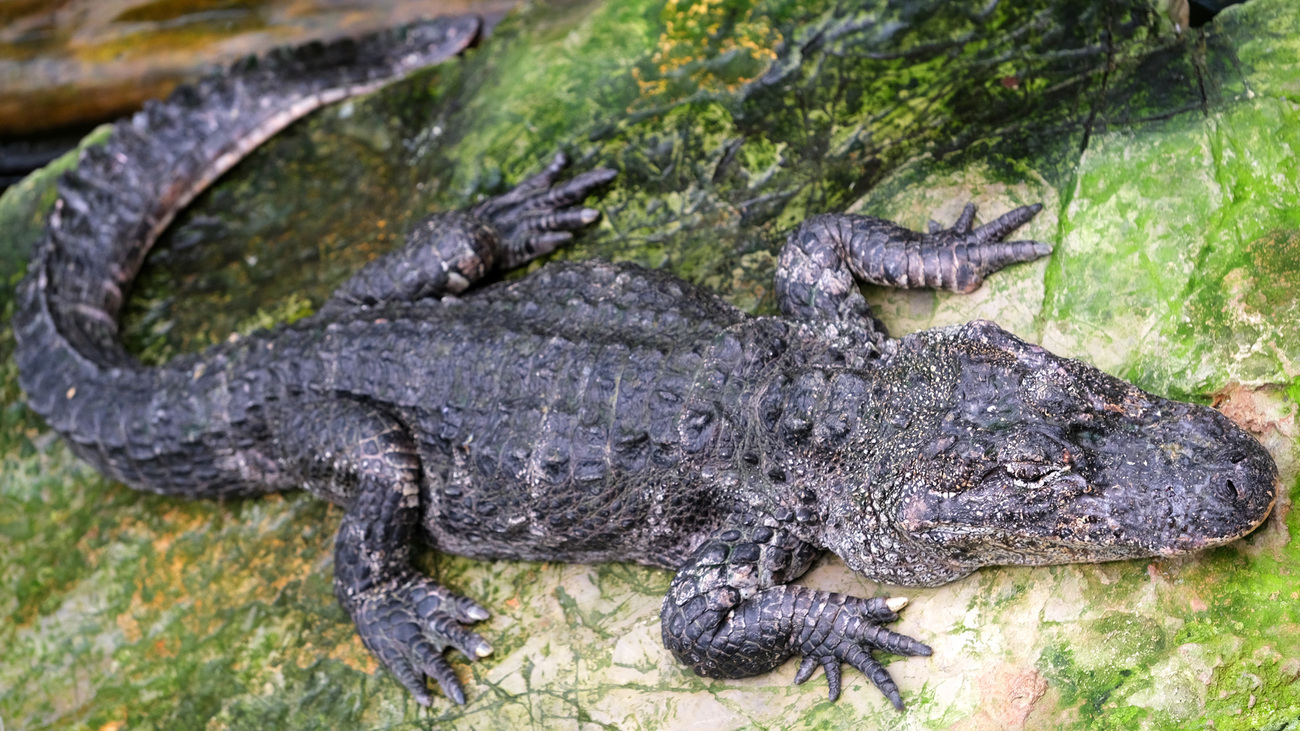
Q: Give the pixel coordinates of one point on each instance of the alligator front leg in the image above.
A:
(825, 254)
(447, 252)
(730, 613)
(359, 456)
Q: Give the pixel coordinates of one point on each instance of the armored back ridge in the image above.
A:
(605, 412)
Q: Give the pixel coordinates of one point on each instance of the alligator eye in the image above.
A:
(1083, 435)
(1030, 471)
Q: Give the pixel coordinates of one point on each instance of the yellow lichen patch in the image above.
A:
(355, 655)
(113, 725)
(126, 622)
(181, 520)
(162, 649)
(172, 10)
(306, 656)
(716, 45)
(139, 608)
(165, 41)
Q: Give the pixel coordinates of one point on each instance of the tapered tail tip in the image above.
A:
(604, 175)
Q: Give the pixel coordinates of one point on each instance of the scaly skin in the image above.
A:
(599, 412)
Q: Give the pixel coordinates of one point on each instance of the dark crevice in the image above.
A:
(1100, 99)
(18, 157)
(1198, 63)
(1201, 12)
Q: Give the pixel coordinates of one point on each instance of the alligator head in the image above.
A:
(1018, 456)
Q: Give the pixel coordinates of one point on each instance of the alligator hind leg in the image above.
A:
(360, 457)
(824, 254)
(447, 252)
(729, 613)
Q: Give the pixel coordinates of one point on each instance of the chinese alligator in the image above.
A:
(602, 412)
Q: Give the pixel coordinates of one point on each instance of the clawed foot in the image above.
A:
(831, 637)
(408, 623)
(994, 231)
(980, 251)
(538, 215)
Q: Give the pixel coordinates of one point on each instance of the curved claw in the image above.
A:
(566, 219)
(879, 638)
(408, 625)
(469, 643)
(997, 229)
(526, 189)
(806, 669)
(856, 632)
(882, 609)
(833, 679)
(964, 221)
(440, 670)
(539, 215)
(572, 191)
(875, 672)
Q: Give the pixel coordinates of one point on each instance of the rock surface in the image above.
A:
(65, 63)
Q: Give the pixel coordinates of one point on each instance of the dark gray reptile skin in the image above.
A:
(600, 412)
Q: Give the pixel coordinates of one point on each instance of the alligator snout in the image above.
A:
(1217, 483)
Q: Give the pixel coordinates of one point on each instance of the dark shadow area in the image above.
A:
(1201, 12)
(18, 157)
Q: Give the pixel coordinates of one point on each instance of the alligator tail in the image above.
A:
(174, 429)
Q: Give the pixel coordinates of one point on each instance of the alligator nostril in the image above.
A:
(1225, 490)
(1237, 457)
(1241, 494)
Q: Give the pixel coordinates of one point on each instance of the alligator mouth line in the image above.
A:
(1069, 504)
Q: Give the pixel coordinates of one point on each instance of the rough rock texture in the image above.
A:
(74, 62)
(143, 612)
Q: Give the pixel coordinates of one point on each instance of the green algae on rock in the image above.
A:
(1176, 221)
